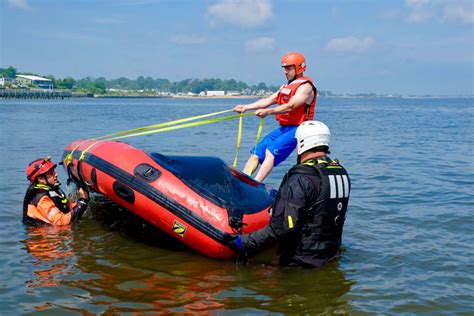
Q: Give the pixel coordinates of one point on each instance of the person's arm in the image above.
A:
(289, 204)
(302, 96)
(259, 104)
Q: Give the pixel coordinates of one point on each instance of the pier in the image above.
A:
(39, 94)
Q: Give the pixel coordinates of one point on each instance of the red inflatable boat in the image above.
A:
(197, 200)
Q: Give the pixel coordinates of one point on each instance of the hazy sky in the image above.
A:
(412, 46)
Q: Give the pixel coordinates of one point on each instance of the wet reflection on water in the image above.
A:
(51, 249)
(120, 264)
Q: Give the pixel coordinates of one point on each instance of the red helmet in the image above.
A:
(294, 59)
(38, 168)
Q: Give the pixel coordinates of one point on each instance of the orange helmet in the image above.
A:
(38, 168)
(294, 59)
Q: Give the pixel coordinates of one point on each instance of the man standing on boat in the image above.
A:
(45, 203)
(296, 101)
(309, 210)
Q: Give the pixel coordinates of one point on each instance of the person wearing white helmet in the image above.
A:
(312, 139)
(310, 207)
(295, 102)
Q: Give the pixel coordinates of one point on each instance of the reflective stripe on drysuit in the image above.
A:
(44, 205)
(301, 113)
(308, 214)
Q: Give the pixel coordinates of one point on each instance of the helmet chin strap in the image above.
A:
(55, 185)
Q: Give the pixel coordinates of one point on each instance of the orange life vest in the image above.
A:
(301, 113)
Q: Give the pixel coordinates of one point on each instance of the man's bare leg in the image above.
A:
(267, 166)
(251, 165)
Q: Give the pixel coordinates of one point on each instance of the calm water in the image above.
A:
(408, 240)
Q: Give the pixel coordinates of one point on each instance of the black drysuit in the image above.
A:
(307, 215)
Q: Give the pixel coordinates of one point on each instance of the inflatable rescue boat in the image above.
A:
(197, 200)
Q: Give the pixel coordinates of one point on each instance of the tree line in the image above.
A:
(164, 85)
(102, 85)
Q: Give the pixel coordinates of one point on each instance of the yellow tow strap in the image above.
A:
(239, 139)
(135, 130)
(174, 125)
(171, 128)
(259, 132)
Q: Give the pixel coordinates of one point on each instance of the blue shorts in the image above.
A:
(281, 143)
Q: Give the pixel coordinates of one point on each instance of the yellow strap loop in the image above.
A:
(69, 159)
(252, 167)
(239, 139)
(140, 129)
(171, 128)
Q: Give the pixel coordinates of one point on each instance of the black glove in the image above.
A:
(78, 210)
(234, 242)
(84, 201)
(84, 194)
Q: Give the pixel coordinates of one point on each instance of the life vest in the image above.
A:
(33, 196)
(320, 234)
(301, 113)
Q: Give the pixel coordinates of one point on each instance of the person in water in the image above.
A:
(296, 101)
(309, 210)
(45, 203)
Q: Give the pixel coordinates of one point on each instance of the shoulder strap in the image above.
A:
(303, 169)
(34, 193)
(308, 106)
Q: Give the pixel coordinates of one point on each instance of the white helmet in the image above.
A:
(311, 134)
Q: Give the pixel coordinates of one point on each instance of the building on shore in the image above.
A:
(216, 93)
(38, 82)
(6, 81)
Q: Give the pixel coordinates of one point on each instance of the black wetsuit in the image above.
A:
(308, 214)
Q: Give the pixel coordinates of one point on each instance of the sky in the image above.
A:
(381, 46)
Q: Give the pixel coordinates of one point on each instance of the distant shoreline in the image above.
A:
(256, 97)
(66, 94)
(174, 97)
